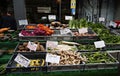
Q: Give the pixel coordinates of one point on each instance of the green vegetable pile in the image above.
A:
(86, 47)
(2, 69)
(98, 28)
(98, 57)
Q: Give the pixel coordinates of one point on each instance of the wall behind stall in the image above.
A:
(117, 10)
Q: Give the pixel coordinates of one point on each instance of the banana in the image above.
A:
(33, 63)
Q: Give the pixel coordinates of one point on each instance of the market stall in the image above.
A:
(42, 49)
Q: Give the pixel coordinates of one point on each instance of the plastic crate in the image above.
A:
(21, 43)
(90, 31)
(112, 47)
(106, 65)
(56, 36)
(66, 68)
(11, 66)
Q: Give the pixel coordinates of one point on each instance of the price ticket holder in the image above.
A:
(100, 45)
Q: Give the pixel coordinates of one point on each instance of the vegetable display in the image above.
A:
(86, 47)
(98, 28)
(41, 30)
(69, 58)
(23, 47)
(34, 63)
(98, 57)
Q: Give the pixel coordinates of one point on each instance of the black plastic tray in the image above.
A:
(56, 36)
(20, 43)
(11, 68)
(90, 66)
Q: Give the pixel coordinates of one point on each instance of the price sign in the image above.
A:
(32, 46)
(52, 58)
(101, 19)
(20, 59)
(23, 22)
(83, 30)
(68, 17)
(65, 31)
(52, 17)
(20, 34)
(99, 44)
(51, 44)
(113, 24)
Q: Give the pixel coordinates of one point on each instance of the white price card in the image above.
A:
(32, 46)
(101, 19)
(68, 17)
(52, 44)
(52, 17)
(113, 24)
(83, 30)
(99, 44)
(23, 22)
(52, 58)
(65, 31)
(22, 60)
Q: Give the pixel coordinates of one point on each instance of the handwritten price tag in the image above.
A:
(68, 17)
(101, 19)
(20, 59)
(99, 44)
(51, 44)
(65, 31)
(83, 30)
(52, 58)
(23, 22)
(52, 17)
(32, 46)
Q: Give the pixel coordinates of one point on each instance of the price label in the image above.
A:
(52, 58)
(113, 24)
(32, 46)
(22, 60)
(65, 31)
(83, 30)
(23, 22)
(51, 44)
(68, 17)
(20, 34)
(99, 44)
(52, 17)
(101, 19)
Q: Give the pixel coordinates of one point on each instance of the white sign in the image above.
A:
(65, 31)
(52, 17)
(68, 17)
(101, 19)
(83, 30)
(20, 59)
(52, 58)
(51, 44)
(32, 46)
(99, 44)
(113, 24)
(23, 22)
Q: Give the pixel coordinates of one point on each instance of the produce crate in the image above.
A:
(112, 47)
(66, 68)
(43, 44)
(9, 35)
(86, 39)
(86, 66)
(5, 58)
(12, 68)
(102, 65)
(56, 36)
(106, 72)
